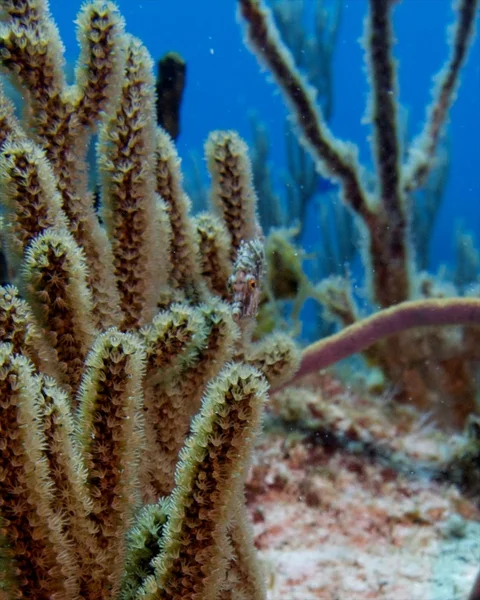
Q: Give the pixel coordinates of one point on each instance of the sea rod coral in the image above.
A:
(431, 368)
(130, 391)
(115, 330)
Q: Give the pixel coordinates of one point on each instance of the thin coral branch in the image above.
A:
(183, 263)
(126, 158)
(383, 80)
(233, 196)
(55, 283)
(335, 159)
(214, 244)
(8, 123)
(404, 316)
(211, 470)
(110, 438)
(61, 118)
(422, 152)
(31, 200)
(39, 561)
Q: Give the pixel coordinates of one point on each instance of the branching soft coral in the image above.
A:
(124, 350)
(423, 364)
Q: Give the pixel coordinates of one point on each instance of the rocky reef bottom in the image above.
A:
(347, 504)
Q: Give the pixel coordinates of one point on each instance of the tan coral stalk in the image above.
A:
(30, 195)
(167, 338)
(18, 327)
(71, 500)
(39, 561)
(193, 558)
(170, 341)
(111, 438)
(176, 398)
(276, 356)
(63, 118)
(143, 546)
(163, 235)
(215, 344)
(245, 577)
(233, 196)
(184, 260)
(54, 276)
(126, 160)
(9, 125)
(214, 244)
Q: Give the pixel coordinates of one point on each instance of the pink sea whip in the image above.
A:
(398, 318)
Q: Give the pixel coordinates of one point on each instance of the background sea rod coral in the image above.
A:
(431, 368)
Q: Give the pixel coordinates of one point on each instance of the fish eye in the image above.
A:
(252, 284)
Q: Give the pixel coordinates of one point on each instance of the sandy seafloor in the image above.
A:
(334, 524)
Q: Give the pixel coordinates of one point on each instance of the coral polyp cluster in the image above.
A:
(131, 394)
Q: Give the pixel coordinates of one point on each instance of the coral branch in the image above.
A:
(18, 327)
(31, 198)
(422, 152)
(8, 123)
(62, 118)
(143, 545)
(389, 243)
(214, 244)
(38, 560)
(110, 438)
(208, 476)
(54, 273)
(233, 196)
(335, 159)
(383, 80)
(126, 151)
(183, 262)
(404, 316)
(246, 578)
(276, 356)
(172, 402)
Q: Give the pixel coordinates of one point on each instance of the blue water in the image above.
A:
(225, 83)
